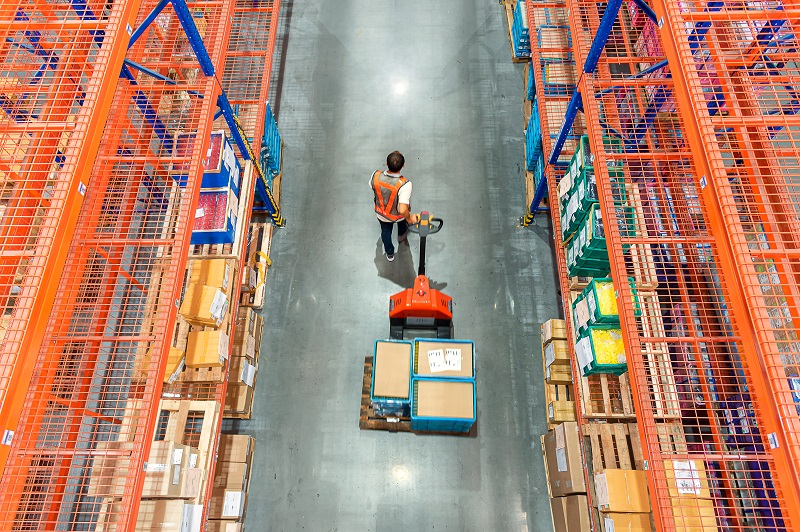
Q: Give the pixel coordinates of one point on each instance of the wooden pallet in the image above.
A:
(509, 9)
(643, 264)
(660, 377)
(607, 397)
(369, 421)
(527, 109)
(259, 240)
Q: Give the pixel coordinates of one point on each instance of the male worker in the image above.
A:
(392, 200)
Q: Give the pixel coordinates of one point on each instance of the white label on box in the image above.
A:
(155, 468)
(177, 456)
(452, 359)
(549, 354)
(601, 490)
(225, 277)
(199, 213)
(564, 185)
(248, 374)
(176, 475)
(581, 313)
(687, 478)
(192, 517)
(218, 305)
(609, 524)
(193, 460)
(561, 437)
(583, 350)
(561, 459)
(551, 411)
(233, 504)
(436, 360)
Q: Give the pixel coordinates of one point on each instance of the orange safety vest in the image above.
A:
(386, 195)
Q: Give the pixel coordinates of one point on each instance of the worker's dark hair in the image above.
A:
(395, 161)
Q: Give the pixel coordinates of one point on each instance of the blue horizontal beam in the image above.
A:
(138, 32)
(575, 104)
(156, 75)
(647, 10)
(643, 73)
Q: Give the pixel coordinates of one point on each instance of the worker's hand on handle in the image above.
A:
(413, 218)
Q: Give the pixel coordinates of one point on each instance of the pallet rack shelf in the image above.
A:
(708, 367)
(86, 417)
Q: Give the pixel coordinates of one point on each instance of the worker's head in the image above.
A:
(395, 161)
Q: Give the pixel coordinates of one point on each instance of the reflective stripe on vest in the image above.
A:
(386, 195)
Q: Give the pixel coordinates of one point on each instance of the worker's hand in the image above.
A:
(414, 218)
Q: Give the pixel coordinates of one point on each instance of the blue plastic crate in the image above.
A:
(270, 156)
(443, 418)
(422, 369)
(519, 31)
(398, 406)
(531, 93)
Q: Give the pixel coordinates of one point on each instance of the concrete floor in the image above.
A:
(434, 79)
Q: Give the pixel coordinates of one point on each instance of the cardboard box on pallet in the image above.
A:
(622, 491)
(558, 374)
(627, 522)
(213, 272)
(249, 279)
(175, 361)
(108, 470)
(687, 478)
(204, 305)
(231, 476)
(560, 411)
(249, 322)
(223, 526)
(553, 329)
(564, 463)
(227, 504)
(164, 476)
(694, 515)
(242, 371)
(239, 400)
(206, 349)
(169, 516)
(556, 352)
(570, 514)
(236, 448)
(246, 348)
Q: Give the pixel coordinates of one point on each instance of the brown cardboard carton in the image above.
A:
(687, 478)
(192, 482)
(558, 374)
(223, 526)
(238, 399)
(164, 516)
(166, 462)
(558, 506)
(242, 371)
(693, 514)
(235, 448)
(212, 272)
(248, 322)
(392, 369)
(245, 347)
(108, 469)
(423, 367)
(206, 349)
(577, 512)
(204, 305)
(556, 353)
(561, 411)
(175, 357)
(249, 279)
(447, 399)
(622, 491)
(231, 476)
(553, 329)
(564, 462)
(627, 522)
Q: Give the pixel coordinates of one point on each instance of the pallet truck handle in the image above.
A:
(426, 225)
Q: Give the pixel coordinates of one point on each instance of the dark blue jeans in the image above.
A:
(386, 234)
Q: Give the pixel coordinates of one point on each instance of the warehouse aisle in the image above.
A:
(435, 80)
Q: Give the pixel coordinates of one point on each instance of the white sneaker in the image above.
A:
(390, 258)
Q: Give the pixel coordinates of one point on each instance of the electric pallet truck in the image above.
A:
(420, 311)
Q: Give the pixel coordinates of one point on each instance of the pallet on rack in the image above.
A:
(509, 6)
(645, 274)
(527, 109)
(607, 397)
(529, 189)
(661, 379)
(547, 478)
(258, 242)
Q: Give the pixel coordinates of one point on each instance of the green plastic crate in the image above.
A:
(582, 158)
(585, 353)
(591, 294)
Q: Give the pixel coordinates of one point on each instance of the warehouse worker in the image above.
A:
(392, 194)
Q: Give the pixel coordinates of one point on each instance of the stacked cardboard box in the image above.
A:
(244, 364)
(690, 496)
(622, 498)
(228, 503)
(564, 465)
(559, 392)
(208, 292)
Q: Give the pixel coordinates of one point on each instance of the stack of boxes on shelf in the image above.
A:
(244, 364)
(216, 213)
(599, 345)
(432, 381)
(561, 449)
(228, 504)
(520, 36)
(559, 389)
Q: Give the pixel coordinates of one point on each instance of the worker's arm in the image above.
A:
(404, 211)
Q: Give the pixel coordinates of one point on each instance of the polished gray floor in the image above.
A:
(434, 79)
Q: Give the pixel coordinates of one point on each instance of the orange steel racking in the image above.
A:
(117, 298)
(59, 65)
(695, 162)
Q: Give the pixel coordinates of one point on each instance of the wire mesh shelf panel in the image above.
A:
(77, 456)
(692, 385)
(738, 65)
(60, 62)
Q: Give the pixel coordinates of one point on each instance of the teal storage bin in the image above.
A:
(586, 351)
(443, 405)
